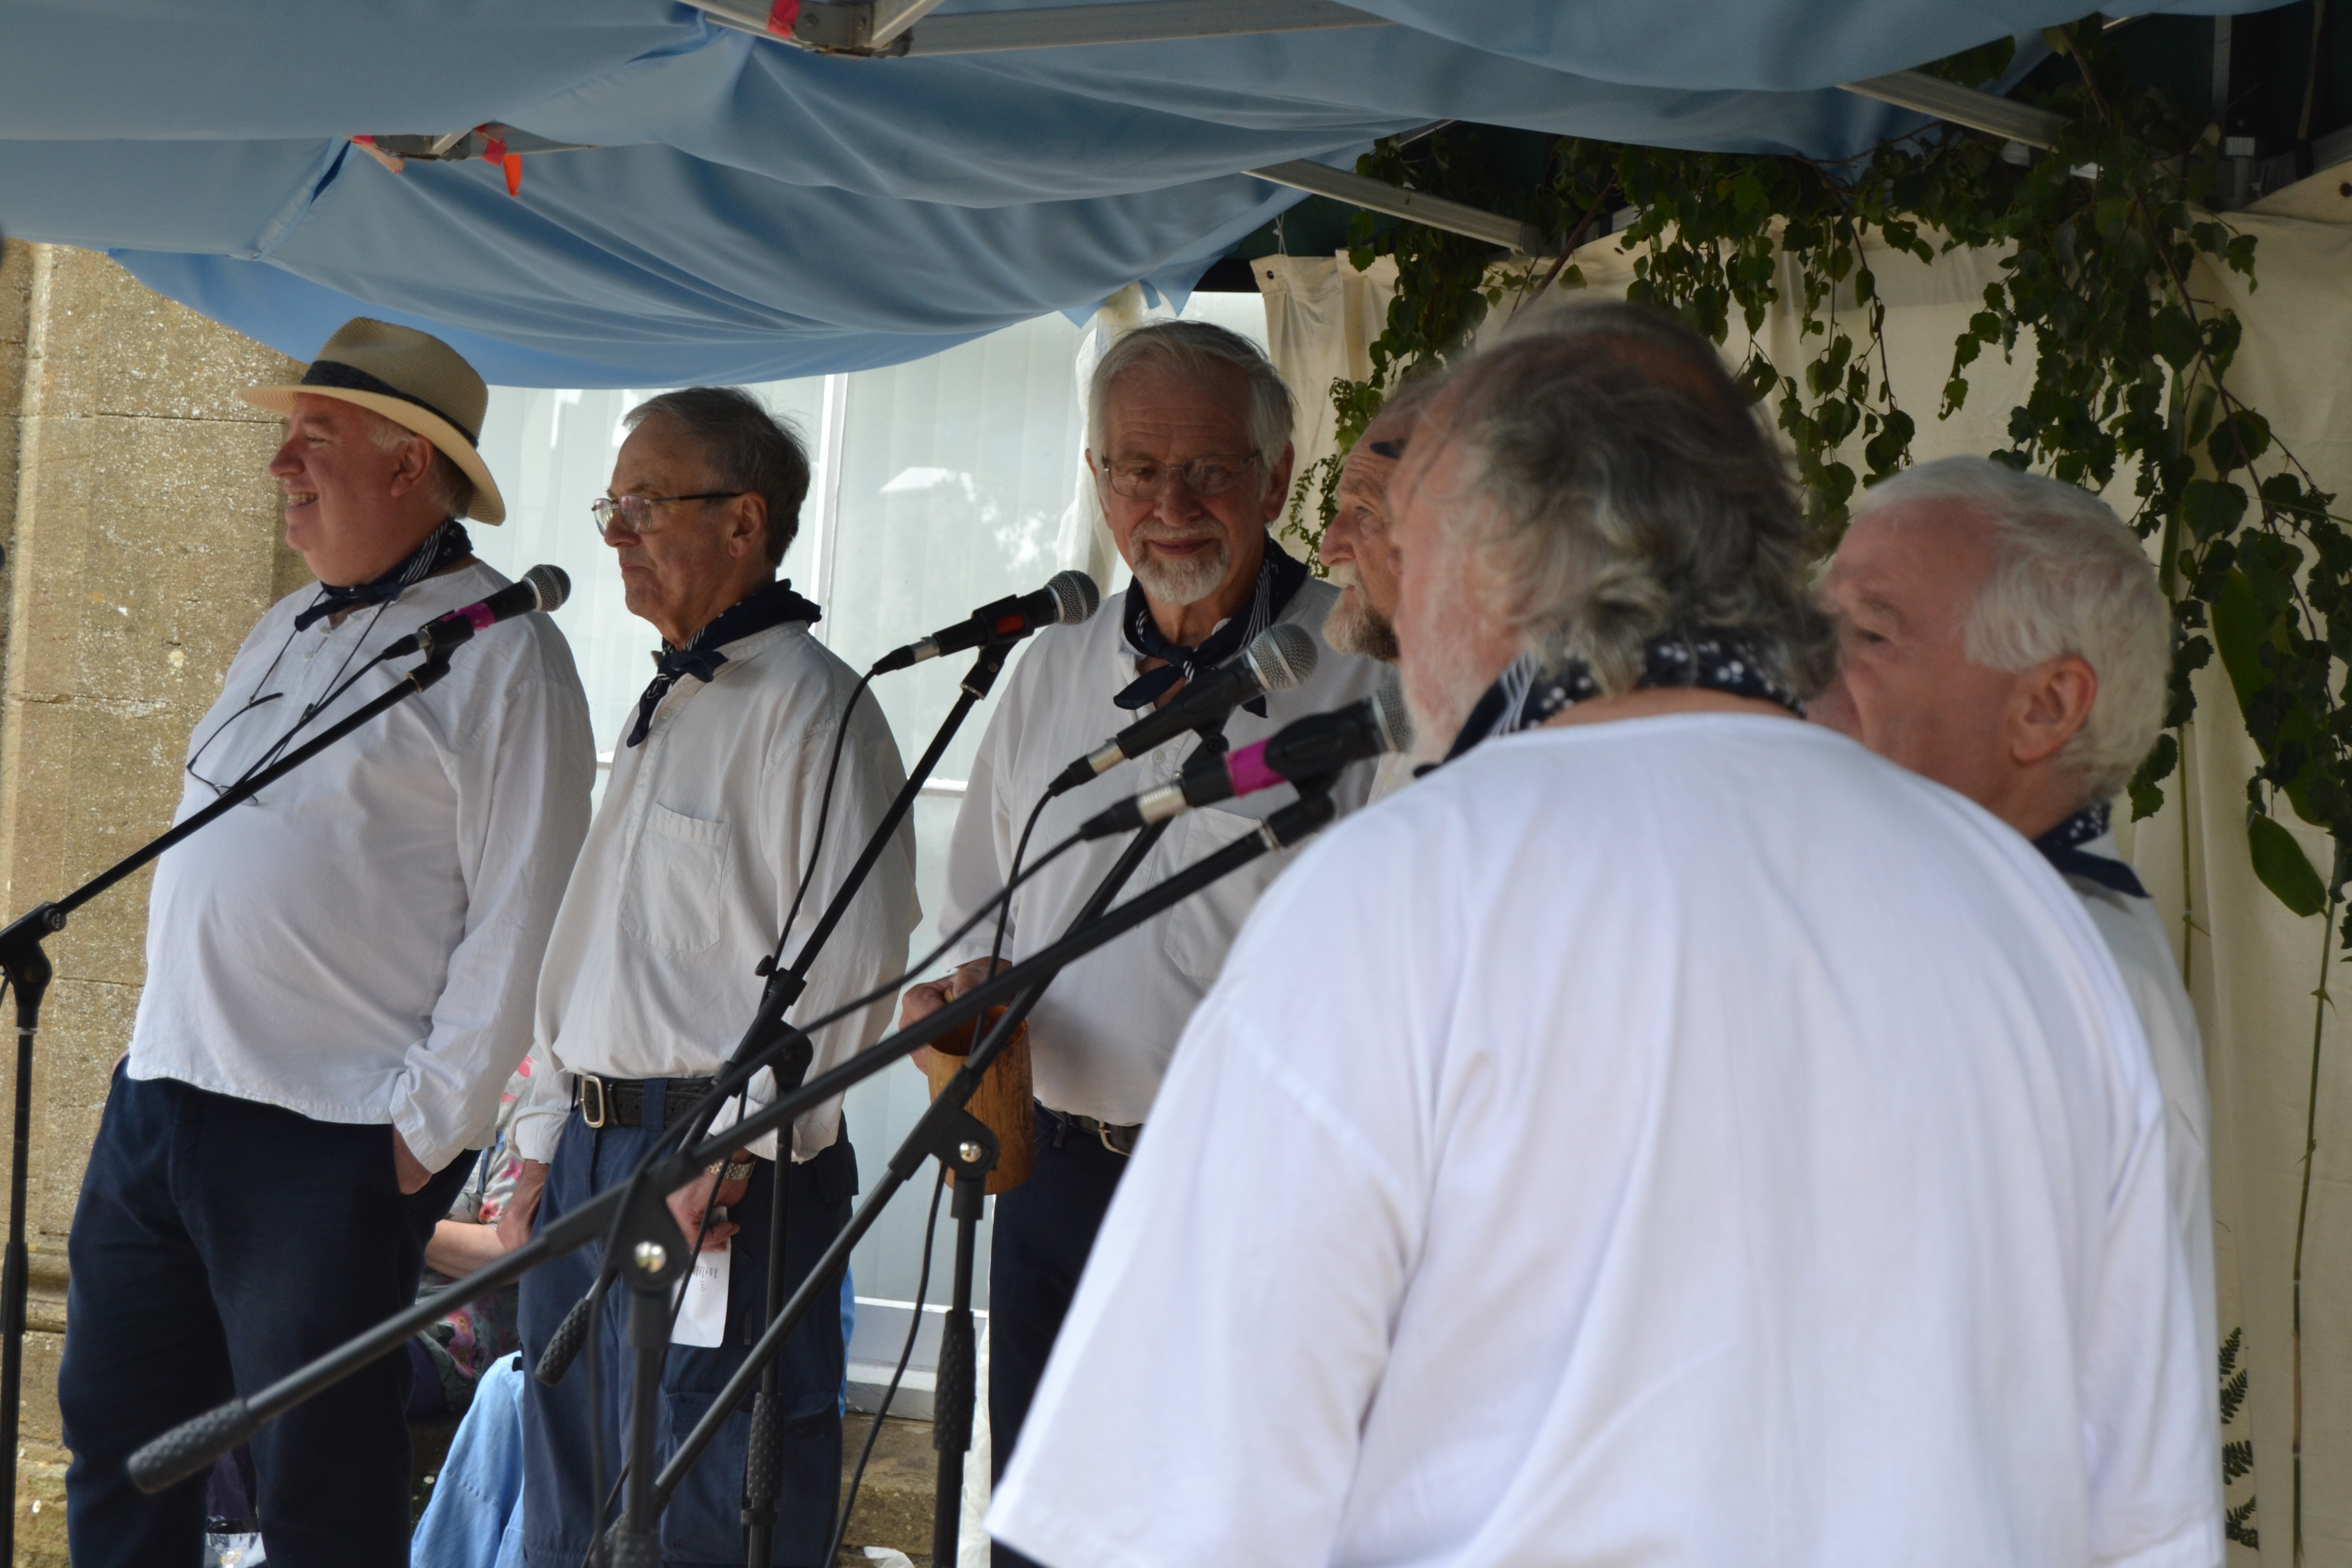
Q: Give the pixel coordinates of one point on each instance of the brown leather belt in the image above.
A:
(621, 1102)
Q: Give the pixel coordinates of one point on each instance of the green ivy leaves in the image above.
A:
(2101, 239)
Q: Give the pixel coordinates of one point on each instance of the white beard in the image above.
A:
(1353, 626)
(1180, 580)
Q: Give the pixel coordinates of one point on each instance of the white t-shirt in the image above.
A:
(1689, 1140)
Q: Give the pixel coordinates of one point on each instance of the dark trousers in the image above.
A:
(703, 1524)
(220, 1243)
(1044, 1228)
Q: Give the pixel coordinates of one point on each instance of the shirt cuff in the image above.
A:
(535, 1132)
(432, 1150)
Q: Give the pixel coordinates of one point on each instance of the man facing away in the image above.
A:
(1189, 442)
(2004, 634)
(1701, 1142)
(338, 983)
(688, 875)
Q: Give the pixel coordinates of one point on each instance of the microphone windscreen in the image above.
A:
(1282, 656)
(1389, 712)
(553, 583)
(1076, 597)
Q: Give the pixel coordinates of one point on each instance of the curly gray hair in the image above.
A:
(1635, 492)
(2068, 578)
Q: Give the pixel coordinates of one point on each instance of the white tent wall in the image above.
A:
(2252, 967)
(1321, 318)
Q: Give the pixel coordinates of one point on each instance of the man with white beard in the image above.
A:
(1359, 556)
(1189, 443)
(1670, 1135)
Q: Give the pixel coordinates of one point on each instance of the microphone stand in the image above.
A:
(187, 1448)
(765, 1457)
(28, 968)
(956, 1395)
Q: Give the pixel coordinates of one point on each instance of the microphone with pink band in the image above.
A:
(1313, 749)
(541, 588)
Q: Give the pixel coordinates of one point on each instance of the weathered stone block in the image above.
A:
(112, 347)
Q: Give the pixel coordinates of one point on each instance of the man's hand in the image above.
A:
(698, 1197)
(406, 1169)
(922, 1001)
(514, 1223)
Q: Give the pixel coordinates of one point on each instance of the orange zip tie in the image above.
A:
(495, 151)
(782, 16)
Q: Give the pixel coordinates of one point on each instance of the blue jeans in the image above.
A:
(220, 1243)
(703, 1524)
(1045, 1229)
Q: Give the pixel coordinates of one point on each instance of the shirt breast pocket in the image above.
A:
(677, 880)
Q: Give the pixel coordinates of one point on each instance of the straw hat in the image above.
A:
(413, 379)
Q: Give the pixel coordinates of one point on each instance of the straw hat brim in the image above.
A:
(488, 505)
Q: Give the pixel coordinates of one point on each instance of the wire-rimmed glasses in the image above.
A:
(635, 513)
(1142, 479)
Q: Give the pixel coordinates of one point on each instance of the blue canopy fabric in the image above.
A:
(749, 211)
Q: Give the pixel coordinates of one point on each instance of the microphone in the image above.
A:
(1069, 598)
(1276, 659)
(1312, 748)
(541, 588)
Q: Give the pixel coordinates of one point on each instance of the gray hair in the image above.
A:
(745, 447)
(2068, 578)
(446, 484)
(1635, 492)
(1196, 349)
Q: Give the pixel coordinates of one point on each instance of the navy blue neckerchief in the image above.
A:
(1279, 578)
(444, 546)
(1527, 692)
(2062, 847)
(771, 607)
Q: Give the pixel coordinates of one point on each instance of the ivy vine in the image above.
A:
(2108, 250)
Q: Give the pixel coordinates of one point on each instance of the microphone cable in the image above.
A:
(905, 1355)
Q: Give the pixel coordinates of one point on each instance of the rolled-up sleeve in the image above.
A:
(523, 782)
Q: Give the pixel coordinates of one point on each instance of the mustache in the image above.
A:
(1340, 573)
(1165, 533)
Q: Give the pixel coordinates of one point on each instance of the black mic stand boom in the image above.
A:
(28, 968)
(188, 1448)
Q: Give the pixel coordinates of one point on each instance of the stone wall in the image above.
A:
(142, 542)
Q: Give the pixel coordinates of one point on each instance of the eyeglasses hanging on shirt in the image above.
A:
(442, 547)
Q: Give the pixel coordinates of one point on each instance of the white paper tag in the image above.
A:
(703, 1320)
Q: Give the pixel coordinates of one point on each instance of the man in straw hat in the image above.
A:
(338, 983)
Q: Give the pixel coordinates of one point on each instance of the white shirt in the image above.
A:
(688, 870)
(362, 945)
(2135, 934)
(1101, 1037)
(1699, 1142)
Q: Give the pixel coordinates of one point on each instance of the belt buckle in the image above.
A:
(592, 1101)
(1103, 1131)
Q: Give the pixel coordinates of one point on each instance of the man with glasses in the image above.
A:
(338, 983)
(1189, 442)
(717, 808)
